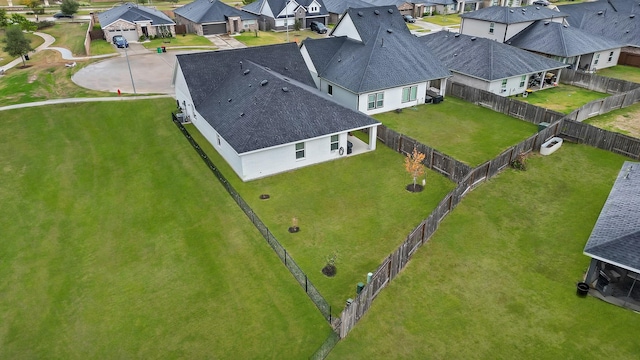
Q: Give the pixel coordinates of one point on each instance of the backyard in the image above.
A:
(118, 243)
(562, 98)
(355, 207)
(497, 280)
(623, 72)
(625, 121)
(468, 132)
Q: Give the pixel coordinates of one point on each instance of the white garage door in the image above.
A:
(130, 35)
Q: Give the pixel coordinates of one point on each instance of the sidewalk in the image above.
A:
(80, 100)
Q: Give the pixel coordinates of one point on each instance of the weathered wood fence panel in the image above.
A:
(600, 138)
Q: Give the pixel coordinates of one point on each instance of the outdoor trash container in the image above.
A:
(359, 288)
(542, 126)
(164, 49)
(159, 50)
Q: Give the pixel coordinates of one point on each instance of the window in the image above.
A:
(334, 142)
(376, 101)
(504, 84)
(523, 79)
(491, 26)
(610, 56)
(597, 58)
(218, 139)
(313, 9)
(300, 150)
(330, 89)
(409, 94)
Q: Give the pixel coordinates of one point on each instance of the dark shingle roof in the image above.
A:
(277, 6)
(616, 236)
(620, 22)
(251, 115)
(513, 15)
(340, 6)
(560, 40)
(485, 59)
(210, 11)
(132, 13)
(388, 56)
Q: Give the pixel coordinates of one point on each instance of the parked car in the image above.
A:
(61, 15)
(120, 41)
(408, 18)
(542, 2)
(319, 27)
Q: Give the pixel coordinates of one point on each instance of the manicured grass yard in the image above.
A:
(272, 37)
(562, 98)
(497, 280)
(5, 58)
(624, 72)
(468, 132)
(101, 47)
(69, 35)
(118, 243)
(625, 121)
(356, 207)
(443, 20)
(186, 40)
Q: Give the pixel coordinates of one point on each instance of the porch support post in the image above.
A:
(558, 76)
(443, 86)
(543, 79)
(373, 134)
(592, 272)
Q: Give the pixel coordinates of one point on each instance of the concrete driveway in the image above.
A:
(151, 72)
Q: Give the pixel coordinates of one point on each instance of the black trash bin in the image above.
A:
(164, 49)
(582, 289)
(349, 147)
(26, 56)
(438, 99)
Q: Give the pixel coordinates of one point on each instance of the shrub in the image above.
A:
(44, 24)
(520, 162)
(96, 27)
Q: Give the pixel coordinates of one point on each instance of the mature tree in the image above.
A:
(16, 43)
(413, 165)
(22, 22)
(69, 7)
(35, 5)
(4, 20)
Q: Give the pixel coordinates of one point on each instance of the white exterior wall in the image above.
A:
(283, 22)
(514, 29)
(341, 95)
(346, 28)
(479, 28)
(392, 99)
(603, 60)
(280, 159)
(513, 86)
(470, 81)
(310, 65)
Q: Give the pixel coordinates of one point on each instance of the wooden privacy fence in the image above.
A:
(596, 82)
(602, 139)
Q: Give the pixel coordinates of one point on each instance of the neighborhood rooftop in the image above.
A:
(484, 58)
(209, 11)
(276, 6)
(513, 15)
(340, 6)
(133, 12)
(560, 40)
(616, 235)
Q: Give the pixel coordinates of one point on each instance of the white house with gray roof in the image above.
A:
(210, 17)
(490, 65)
(278, 14)
(259, 108)
(373, 64)
(614, 243)
(134, 21)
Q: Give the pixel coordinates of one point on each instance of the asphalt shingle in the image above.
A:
(513, 15)
(211, 11)
(132, 13)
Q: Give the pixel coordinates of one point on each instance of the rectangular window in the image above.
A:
(409, 94)
(491, 26)
(218, 138)
(300, 150)
(334, 142)
(523, 79)
(330, 89)
(610, 56)
(504, 83)
(375, 101)
(597, 58)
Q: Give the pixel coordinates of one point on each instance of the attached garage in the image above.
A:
(322, 20)
(212, 29)
(129, 34)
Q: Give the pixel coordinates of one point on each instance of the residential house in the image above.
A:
(614, 243)
(434, 7)
(490, 65)
(373, 64)
(337, 7)
(134, 21)
(570, 45)
(617, 20)
(259, 108)
(208, 17)
(501, 23)
(406, 7)
(283, 14)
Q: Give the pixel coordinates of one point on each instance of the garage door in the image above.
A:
(320, 20)
(130, 35)
(213, 29)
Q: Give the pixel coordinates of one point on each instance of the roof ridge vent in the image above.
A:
(285, 89)
(264, 82)
(632, 16)
(246, 71)
(390, 31)
(473, 38)
(547, 22)
(376, 11)
(565, 26)
(600, 12)
(511, 10)
(360, 13)
(390, 11)
(456, 35)
(537, 7)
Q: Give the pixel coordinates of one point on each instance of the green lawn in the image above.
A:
(272, 37)
(562, 98)
(102, 47)
(356, 207)
(69, 36)
(117, 242)
(497, 280)
(443, 20)
(468, 132)
(186, 40)
(624, 72)
(6, 58)
(625, 121)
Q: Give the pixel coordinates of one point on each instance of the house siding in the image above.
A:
(480, 28)
(340, 95)
(346, 28)
(392, 99)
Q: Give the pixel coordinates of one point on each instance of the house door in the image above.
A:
(145, 32)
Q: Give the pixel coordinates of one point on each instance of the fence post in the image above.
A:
(306, 284)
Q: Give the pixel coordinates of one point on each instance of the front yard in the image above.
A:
(562, 98)
(190, 40)
(117, 242)
(444, 20)
(273, 37)
(498, 278)
(468, 132)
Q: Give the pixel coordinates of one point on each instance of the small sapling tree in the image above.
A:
(415, 168)
(16, 44)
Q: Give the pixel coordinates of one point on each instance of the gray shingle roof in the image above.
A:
(601, 19)
(511, 15)
(389, 56)
(616, 236)
(340, 6)
(251, 116)
(210, 11)
(485, 59)
(132, 13)
(278, 5)
(560, 40)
